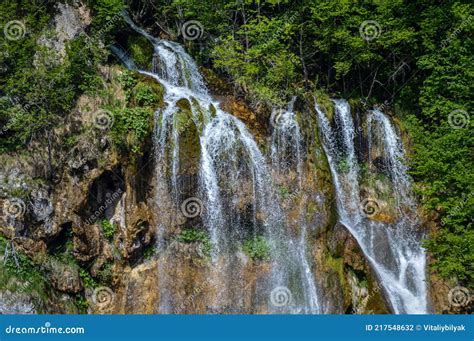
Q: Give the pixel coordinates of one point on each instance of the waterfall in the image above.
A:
(234, 183)
(287, 159)
(393, 249)
(286, 141)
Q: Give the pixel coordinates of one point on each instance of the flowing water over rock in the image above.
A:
(393, 248)
(233, 190)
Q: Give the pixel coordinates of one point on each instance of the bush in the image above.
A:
(192, 235)
(108, 228)
(257, 248)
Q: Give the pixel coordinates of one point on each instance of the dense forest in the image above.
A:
(410, 59)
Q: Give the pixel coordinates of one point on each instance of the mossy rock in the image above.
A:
(156, 90)
(325, 102)
(189, 146)
(141, 51)
(184, 104)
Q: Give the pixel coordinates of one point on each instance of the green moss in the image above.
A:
(257, 248)
(337, 264)
(133, 120)
(141, 51)
(343, 166)
(325, 103)
(183, 104)
(155, 89)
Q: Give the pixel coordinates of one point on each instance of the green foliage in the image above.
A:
(192, 235)
(105, 274)
(87, 279)
(41, 85)
(257, 248)
(108, 228)
(82, 304)
(259, 59)
(24, 277)
(150, 252)
(131, 127)
(107, 15)
(134, 123)
(141, 51)
(144, 95)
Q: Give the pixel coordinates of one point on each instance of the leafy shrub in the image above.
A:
(192, 235)
(108, 228)
(131, 127)
(257, 248)
(87, 279)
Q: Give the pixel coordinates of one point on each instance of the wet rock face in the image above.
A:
(346, 275)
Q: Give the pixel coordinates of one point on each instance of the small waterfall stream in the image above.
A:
(393, 249)
(287, 157)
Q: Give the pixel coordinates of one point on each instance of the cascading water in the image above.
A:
(393, 249)
(234, 183)
(286, 157)
(286, 141)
